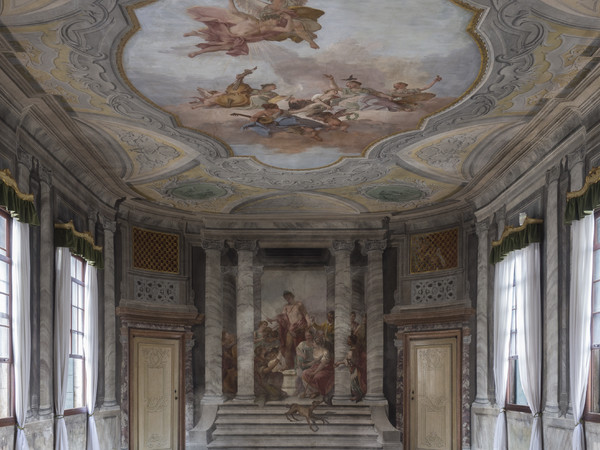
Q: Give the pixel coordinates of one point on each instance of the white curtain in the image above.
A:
(21, 325)
(503, 294)
(580, 312)
(529, 334)
(62, 327)
(91, 352)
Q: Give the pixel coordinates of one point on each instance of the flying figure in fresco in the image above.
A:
(408, 98)
(231, 29)
(236, 95)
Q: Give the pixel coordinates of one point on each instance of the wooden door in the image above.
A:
(155, 387)
(433, 391)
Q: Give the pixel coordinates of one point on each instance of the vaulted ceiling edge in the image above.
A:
(306, 107)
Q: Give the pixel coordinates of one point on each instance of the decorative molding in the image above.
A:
(342, 246)
(10, 181)
(592, 178)
(213, 244)
(375, 245)
(508, 230)
(246, 245)
(482, 227)
(84, 235)
(136, 315)
(45, 175)
(24, 158)
(109, 225)
(156, 291)
(437, 314)
(438, 290)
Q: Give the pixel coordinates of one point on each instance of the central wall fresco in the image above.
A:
(299, 84)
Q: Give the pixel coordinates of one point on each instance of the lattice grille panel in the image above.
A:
(434, 251)
(158, 252)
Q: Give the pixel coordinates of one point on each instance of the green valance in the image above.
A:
(516, 238)
(19, 205)
(80, 244)
(584, 201)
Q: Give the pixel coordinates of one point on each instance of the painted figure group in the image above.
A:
(331, 110)
(296, 342)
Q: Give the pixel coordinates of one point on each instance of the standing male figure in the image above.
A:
(293, 324)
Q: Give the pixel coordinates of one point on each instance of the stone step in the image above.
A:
(297, 442)
(295, 429)
(281, 419)
(281, 409)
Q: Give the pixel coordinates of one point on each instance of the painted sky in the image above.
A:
(413, 41)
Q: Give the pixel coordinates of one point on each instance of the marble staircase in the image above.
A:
(250, 426)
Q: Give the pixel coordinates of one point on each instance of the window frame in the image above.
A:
(11, 419)
(588, 414)
(81, 283)
(513, 373)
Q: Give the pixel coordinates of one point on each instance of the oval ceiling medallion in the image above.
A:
(300, 84)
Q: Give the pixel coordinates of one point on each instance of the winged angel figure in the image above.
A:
(243, 22)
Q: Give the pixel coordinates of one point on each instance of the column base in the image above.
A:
(482, 402)
(212, 400)
(375, 398)
(244, 398)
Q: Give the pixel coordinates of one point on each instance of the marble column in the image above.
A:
(213, 320)
(330, 276)
(343, 301)
(551, 343)
(576, 166)
(245, 320)
(46, 214)
(483, 254)
(374, 309)
(110, 339)
(257, 271)
(24, 165)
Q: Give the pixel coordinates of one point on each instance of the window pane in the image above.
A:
(596, 298)
(595, 382)
(4, 299)
(75, 391)
(596, 275)
(4, 277)
(4, 342)
(597, 231)
(519, 395)
(5, 390)
(596, 329)
(3, 242)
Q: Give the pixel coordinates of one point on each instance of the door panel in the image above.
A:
(155, 386)
(433, 395)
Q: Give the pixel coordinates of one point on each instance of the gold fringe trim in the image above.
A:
(509, 230)
(8, 179)
(592, 177)
(85, 235)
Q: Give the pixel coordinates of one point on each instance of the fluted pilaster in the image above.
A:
(483, 252)
(576, 167)
(24, 166)
(213, 322)
(551, 297)
(46, 215)
(258, 272)
(374, 305)
(245, 320)
(343, 304)
(110, 339)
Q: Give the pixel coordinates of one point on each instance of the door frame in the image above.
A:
(457, 412)
(178, 336)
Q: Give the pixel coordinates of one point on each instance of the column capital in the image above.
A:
(229, 270)
(109, 225)
(45, 175)
(552, 175)
(342, 246)
(212, 244)
(258, 270)
(24, 158)
(500, 214)
(245, 245)
(576, 157)
(375, 245)
(482, 227)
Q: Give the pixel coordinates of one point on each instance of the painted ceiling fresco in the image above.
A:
(300, 106)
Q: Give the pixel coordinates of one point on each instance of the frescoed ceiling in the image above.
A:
(300, 106)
